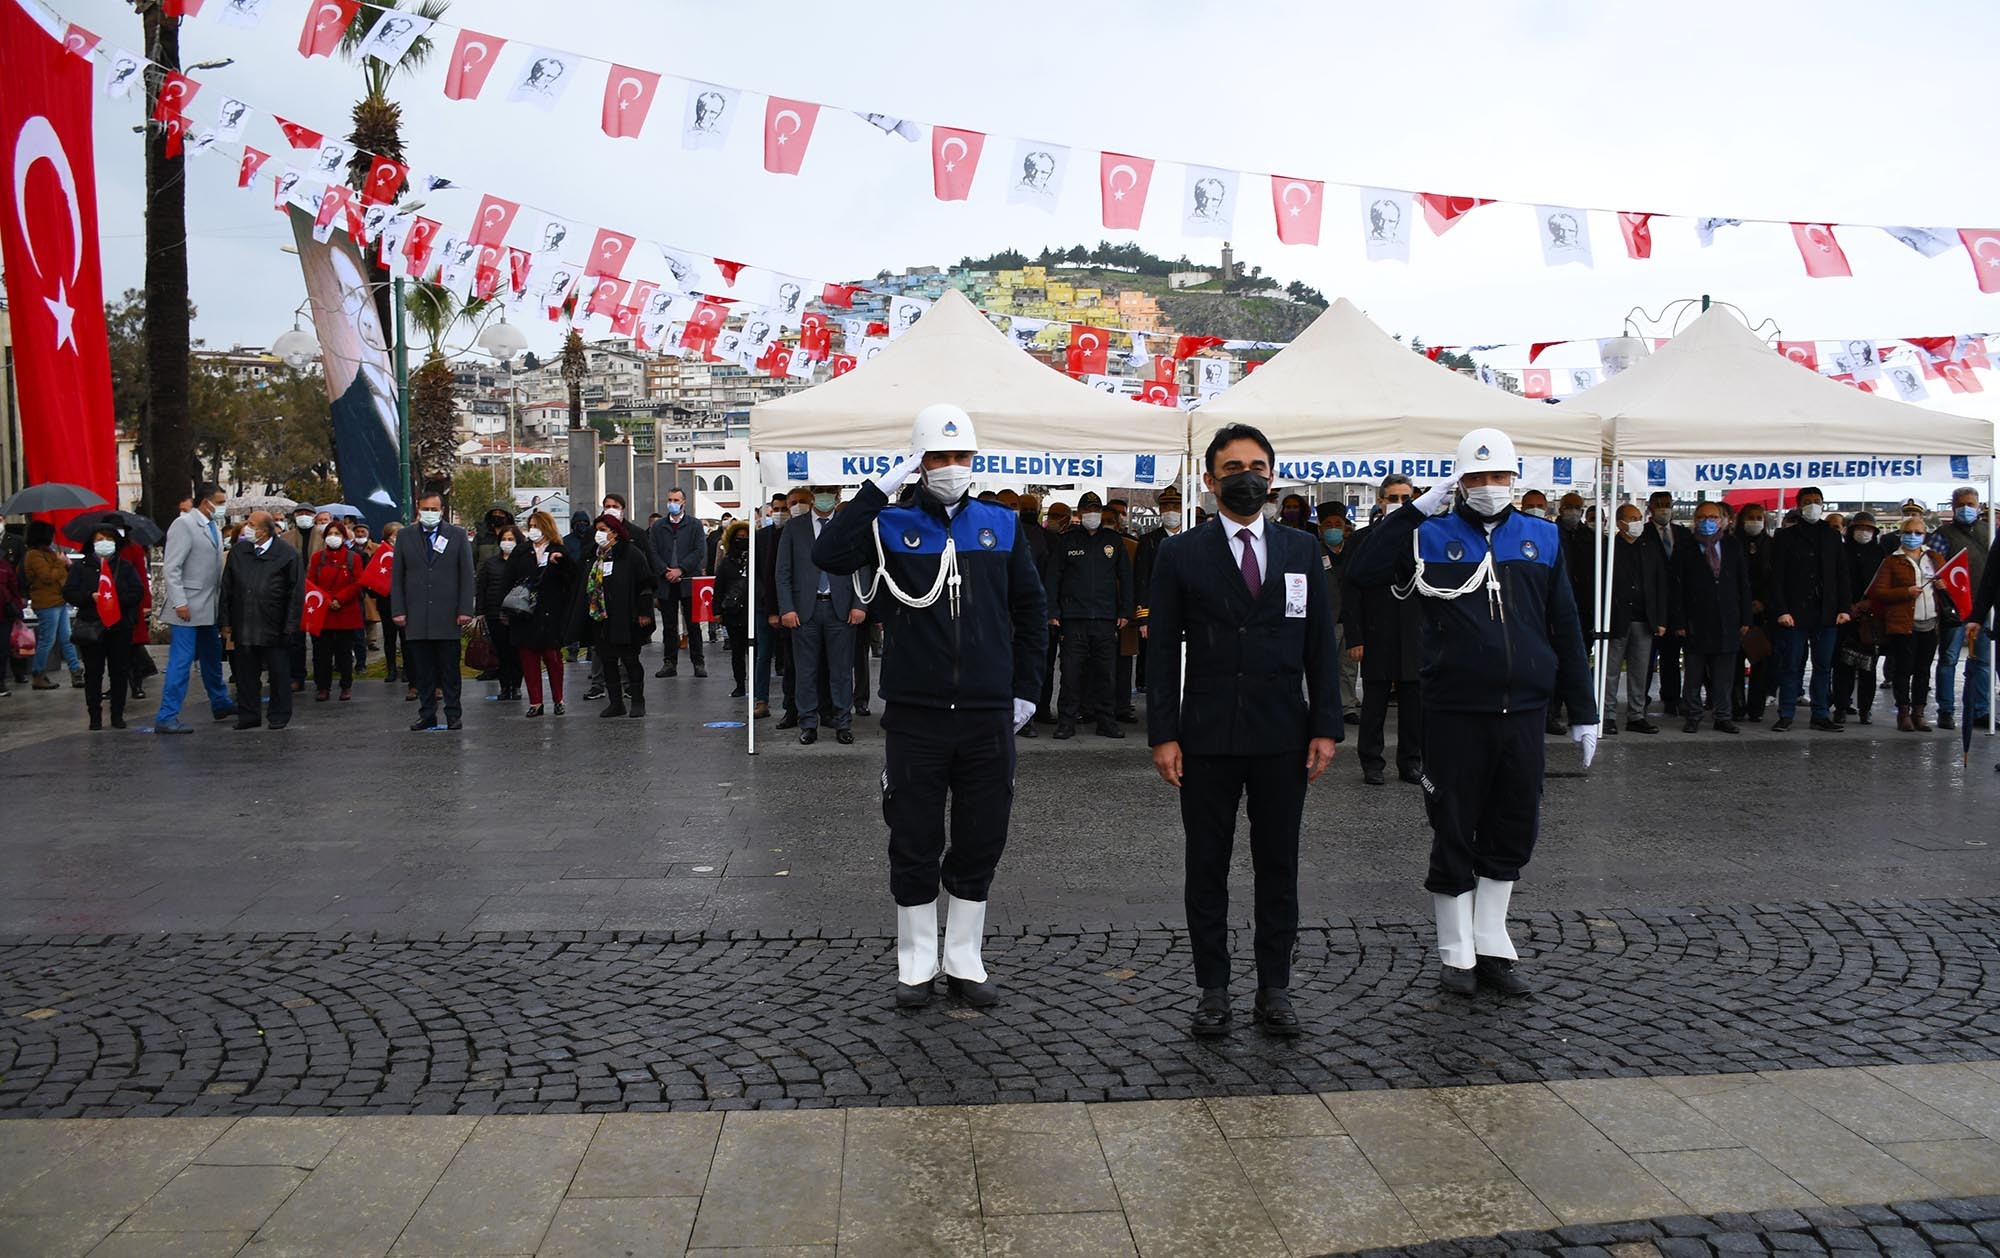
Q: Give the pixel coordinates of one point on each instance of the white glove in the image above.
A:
(1437, 497)
(899, 474)
(1024, 711)
(1585, 736)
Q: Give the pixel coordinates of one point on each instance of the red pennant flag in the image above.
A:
(788, 128)
(299, 137)
(1535, 382)
(606, 295)
(1122, 182)
(704, 323)
(625, 321)
(1442, 211)
(106, 597)
(326, 22)
(1089, 349)
(1296, 202)
(641, 290)
(78, 40)
(1166, 367)
(1189, 346)
(628, 95)
(518, 262)
(1804, 353)
(1160, 393)
(1822, 253)
(496, 215)
(376, 577)
(1955, 577)
(1961, 378)
(418, 242)
(1638, 232)
(1937, 348)
(729, 270)
(471, 61)
(840, 296)
(253, 160)
(1983, 243)
(176, 129)
(177, 92)
(954, 157)
(877, 329)
(312, 615)
(841, 364)
(781, 359)
(1431, 352)
(815, 338)
(486, 273)
(1866, 386)
(181, 8)
(1250, 368)
(608, 253)
(1535, 350)
(1975, 356)
(385, 180)
(332, 203)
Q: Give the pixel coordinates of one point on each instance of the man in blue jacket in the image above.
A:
(1501, 641)
(964, 628)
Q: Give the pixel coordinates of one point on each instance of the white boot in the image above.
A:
(1454, 923)
(964, 931)
(916, 944)
(1489, 920)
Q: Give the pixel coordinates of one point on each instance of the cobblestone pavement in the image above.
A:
(599, 1021)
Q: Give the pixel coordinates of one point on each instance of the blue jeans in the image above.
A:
(191, 645)
(51, 631)
(1950, 645)
(1793, 645)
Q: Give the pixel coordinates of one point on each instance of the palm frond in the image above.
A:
(419, 52)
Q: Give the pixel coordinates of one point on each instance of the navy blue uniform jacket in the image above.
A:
(996, 649)
(1259, 682)
(1473, 660)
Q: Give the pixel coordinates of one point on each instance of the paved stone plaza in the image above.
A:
(588, 986)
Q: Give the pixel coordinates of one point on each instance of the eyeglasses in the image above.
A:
(1394, 502)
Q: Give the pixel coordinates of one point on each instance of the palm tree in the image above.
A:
(575, 366)
(378, 121)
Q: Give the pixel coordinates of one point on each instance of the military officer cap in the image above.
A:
(1090, 502)
(1170, 496)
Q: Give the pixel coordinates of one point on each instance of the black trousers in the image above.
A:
(501, 635)
(1667, 667)
(677, 611)
(624, 676)
(253, 666)
(1409, 725)
(433, 664)
(333, 652)
(1211, 787)
(1910, 658)
(392, 636)
(864, 636)
(1854, 687)
(930, 757)
(1051, 669)
(298, 658)
(1713, 674)
(739, 646)
(116, 659)
(1121, 683)
(1089, 649)
(1483, 792)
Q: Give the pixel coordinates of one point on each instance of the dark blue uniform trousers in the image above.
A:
(931, 756)
(1483, 791)
(1211, 789)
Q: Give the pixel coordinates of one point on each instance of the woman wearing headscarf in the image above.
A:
(545, 567)
(104, 592)
(614, 613)
(335, 571)
(732, 596)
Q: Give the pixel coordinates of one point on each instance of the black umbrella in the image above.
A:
(54, 496)
(134, 526)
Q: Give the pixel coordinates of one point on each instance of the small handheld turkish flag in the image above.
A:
(325, 23)
(1955, 579)
(1296, 202)
(1822, 253)
(628, 95)
(1122, 182)
(376, 578)
(1442, 211)
(703, 611)
(496, 215)
(312, 617)
(788, 128)
(471, 61)
(954, 158)
(1983, 243)
(1088, 351)
(106, 597)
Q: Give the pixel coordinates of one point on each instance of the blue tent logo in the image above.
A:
(1142, 468)
(795, 465)
(1961, 466)
(1565, 471)
(1656, 472)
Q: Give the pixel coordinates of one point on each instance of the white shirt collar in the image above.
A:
(1256, 527)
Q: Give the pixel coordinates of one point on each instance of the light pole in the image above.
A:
(506, 344)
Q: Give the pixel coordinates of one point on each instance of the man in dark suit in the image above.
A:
(1669, 539)
(680, 554)
(1711, 599)
(821, 611)
(1382, 638)
(1810, 598)
(431, 591)
(1259, 716)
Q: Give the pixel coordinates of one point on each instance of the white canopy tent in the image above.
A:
(1033, 423)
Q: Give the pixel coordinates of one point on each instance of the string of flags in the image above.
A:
(1036, 172)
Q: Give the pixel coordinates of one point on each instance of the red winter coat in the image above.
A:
(338, 573)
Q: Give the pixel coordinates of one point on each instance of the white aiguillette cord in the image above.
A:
(947, 575)
(1482, 574)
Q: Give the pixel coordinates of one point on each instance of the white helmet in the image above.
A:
(942, 426)
(1485, 450)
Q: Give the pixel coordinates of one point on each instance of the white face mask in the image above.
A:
(1489, 499)
(105, 549)
(303, 521)
(1864, 536)
(1634, 529)
(534, 535)
(603, 538)
(430, 519)
(615, 512)
(1753, 528)
(1170, 520)
(948, 483)
(1092, 519)
(798, 509)
(1812, 512)
(507, 546)
(335, 542)
(1572, 518)
(1540, 513)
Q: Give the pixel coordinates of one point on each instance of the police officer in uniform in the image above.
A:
(1501, 641)
(964, 627)
(1148, 555)
(1090, 599)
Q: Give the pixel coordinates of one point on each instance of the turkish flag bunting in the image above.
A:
(1637, 229)
(840, 296)
(1160, 393)
(702, 325)
(815, 338)
(1535, 382)
(175, 129)
(788, 128)
(1250, 368)
(177, 92)
(1535, 350)
(954, 158)
(1955, 578)
(471, 61)
(1122, 182)
(518, 262)
(1936, 348)
(1975, 356)
(299, 137)
(1089, 349)
(326, 22)
(1804, 353)
(1189, 346)
(375, 579)
(1866, 386)
(253, 160)
(1961, 378)
(628, 95)
(1296, 202)
(729, 270)
(1822, 253)
(385, 180)
(606, 295)
(1983, 243)
(769, 356)
(877, 329)
(608, 253)
(78, 40)
(417, 244)
(625, 320)
(106, 597)
(781, 359)
(486, 274)
(1441, 211)
(1432, 351)
(332, 204)
(1166, 367)
(496, 215)
(312, 617)
(181, 8)
(841, 364)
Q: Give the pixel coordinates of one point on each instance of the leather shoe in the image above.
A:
(978, 995)
(1731, 727)
(789, 721)
(1274, 1013)
(1556, 725)
(224, 715)
(1065, 730)
(454, 724)
(1642, 726)
(1373, 777)
(1212, 1018)
(1453, 979)
(1780, 725)
(1945, 721)
(1691, 726)
(1827, 726)
(417, 726)
(915, 995)
(862, 709)
(1413, 776)
(1106, 729)
(807, 737)
(845, 737)
(1027, 731)
(1500, 974)
(1130, 716)
(664, 672)
(1045, 717)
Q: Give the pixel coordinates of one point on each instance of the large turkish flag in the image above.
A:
(48, 229)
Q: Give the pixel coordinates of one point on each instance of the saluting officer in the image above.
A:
(964, 627)
(1500, 641)
(1090, 599)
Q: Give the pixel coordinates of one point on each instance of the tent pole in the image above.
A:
(1992, 674)
(753, 493)
(1598, 626)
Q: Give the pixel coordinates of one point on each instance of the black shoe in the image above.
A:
(534, 710)
(701, 670)
(791, 721)
(252, 723)
(1045, 718)
(1065, 729)
(1130, 716)
(1780, 725)
(862, 709)
(1105, 729)
(1944, 720)
(1274, 1014)
(595, 693)
(1730, 727)
(978, 995)
(1351, 718)
(96, 723)
(845, 737)
(1499, 974)
(636, 709)
(1642, 726)
(139, 692)
(1373, 777)
(1840, 718)
(1414, 777)
(1691, 726)
(916, 996)
(1212, 1018)
(417, 726)
(1027, 731)
(1610, 729)
(1827, 727)
(616, 709)
(740, 693)
(664, 672)
(118, 722)
(275, 725)
(224, 715)
(1461, 982)
(559, 707)
(807, 737)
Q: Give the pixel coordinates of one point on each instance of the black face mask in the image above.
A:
(1244, 493)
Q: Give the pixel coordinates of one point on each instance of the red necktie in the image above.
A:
(1251, 577)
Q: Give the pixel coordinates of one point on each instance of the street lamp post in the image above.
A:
(402, 399)
(504, 342)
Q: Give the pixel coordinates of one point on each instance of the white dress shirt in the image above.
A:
(1256, 544)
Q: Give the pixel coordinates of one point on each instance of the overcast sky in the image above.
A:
(1833, 110)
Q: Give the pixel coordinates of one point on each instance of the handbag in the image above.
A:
(520, 600)
(1756, 644)
(479, 652)
(86, 632)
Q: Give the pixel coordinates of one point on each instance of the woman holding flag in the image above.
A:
(335, 572)
(106, 592)
(1904, 589)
